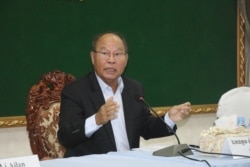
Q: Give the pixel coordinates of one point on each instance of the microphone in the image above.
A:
(171, 150)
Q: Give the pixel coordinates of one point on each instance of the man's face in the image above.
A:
(109, 58)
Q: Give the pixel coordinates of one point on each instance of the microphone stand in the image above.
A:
(173, 150)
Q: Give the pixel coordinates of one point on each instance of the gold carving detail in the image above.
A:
(241, 51)
(14, 121)
(17, 121)
(195, 109)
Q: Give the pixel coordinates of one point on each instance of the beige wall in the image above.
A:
(14, 142)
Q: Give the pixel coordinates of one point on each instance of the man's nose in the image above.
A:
(111, 58)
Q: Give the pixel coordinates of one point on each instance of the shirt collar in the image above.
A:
(105, 87)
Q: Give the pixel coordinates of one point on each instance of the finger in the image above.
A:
(187, 103)
(109, 101)
(112, 110)
(110, 104)
(185, 106)
(184, 112)
(114, 107)
(112, 115)
(181, 106)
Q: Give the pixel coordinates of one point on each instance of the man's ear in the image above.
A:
(126, 61)
(92, 56)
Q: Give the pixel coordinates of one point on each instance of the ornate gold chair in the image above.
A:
(43, 107)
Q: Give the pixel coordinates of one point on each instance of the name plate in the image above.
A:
(25, 161)
(237, 146)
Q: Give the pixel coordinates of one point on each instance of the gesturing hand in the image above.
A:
(107, 111)
(179, 112)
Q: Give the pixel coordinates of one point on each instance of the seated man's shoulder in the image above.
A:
(132, 82)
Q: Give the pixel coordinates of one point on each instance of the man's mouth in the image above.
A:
(110, 70)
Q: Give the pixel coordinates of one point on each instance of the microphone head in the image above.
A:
(141, 98)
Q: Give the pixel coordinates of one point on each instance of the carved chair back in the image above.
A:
(43, 107)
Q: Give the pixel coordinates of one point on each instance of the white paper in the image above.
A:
(25, 161)
(237, 146)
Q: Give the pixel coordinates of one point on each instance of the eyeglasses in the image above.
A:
(106, 54)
